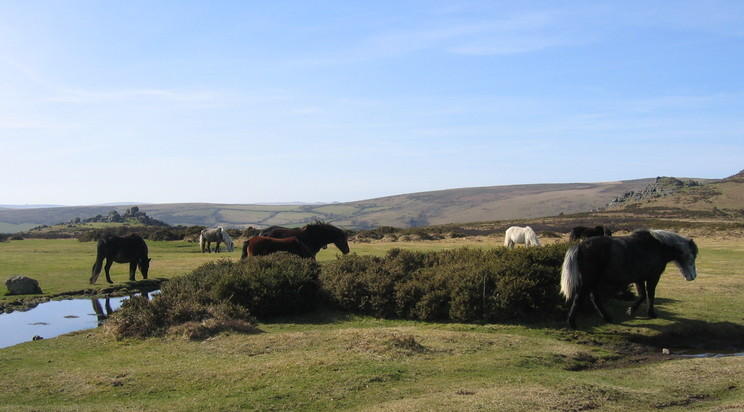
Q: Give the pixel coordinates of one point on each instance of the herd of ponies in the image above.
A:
(595, 265)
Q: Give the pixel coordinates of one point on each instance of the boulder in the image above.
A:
(22, 285)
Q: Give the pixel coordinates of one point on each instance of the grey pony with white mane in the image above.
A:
(601, 265)
(219, 235)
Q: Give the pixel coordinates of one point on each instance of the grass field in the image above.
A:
(329, 360)
(65, 264)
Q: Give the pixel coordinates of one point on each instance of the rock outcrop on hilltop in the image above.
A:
(115, 217)
(663, 186)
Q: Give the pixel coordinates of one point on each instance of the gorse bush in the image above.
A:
(462, 284)
(220, 293)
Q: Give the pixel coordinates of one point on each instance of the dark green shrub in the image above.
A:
(223, 291)
(461, 284)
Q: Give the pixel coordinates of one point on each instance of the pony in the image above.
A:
(315, 236)
(516, 234)
(263, 245)
(218, 234)
(583, 232)
(129, 249)
(601, 265)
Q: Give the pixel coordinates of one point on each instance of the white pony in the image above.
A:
(218, 234)
(516, 234)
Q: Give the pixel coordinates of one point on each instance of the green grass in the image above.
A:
(65, 264)
(62, 265)
(329, 360)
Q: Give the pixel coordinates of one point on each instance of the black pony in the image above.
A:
(315, 236)
(600, 266)
(583, 232)
(129, 249)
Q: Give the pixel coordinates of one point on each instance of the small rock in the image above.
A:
(22, 285)
(666, 351)
(37, 337)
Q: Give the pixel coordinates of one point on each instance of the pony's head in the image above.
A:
(685, 251)
(144, 266)
(330, 234)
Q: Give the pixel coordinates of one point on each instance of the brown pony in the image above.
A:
(315, 236)
(264, 245)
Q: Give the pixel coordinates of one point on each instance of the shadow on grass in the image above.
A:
(319, 316)
(672, 331)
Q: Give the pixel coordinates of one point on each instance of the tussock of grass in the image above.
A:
(221, 296)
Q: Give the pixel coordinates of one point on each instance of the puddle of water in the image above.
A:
(709, 355)
(54, 318)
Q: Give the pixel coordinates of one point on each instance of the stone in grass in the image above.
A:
(22, 285)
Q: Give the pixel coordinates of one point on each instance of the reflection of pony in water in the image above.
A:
(602, 265)
(263, 245)
(98, 309)
(315, 236)
(524, 235)
(582, 232)
(129, 249)
(218, 234)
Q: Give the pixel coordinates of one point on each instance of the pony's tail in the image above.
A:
(245, 249)
(570, 275)
(98, 264)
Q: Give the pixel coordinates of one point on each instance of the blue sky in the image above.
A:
(243, 102)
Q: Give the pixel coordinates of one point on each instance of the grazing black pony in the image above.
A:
(263, 245)
(600, 266)
(129, 249)
(315, 236)
(583, 232)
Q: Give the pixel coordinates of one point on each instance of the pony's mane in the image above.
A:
(670, 239)
(322, 225)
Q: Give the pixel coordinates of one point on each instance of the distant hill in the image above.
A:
(721, 198)
(406, 210)
(27, 206)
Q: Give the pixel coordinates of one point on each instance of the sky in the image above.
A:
(255, 102)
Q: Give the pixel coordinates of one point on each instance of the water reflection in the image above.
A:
(54, 318)
(100, 314)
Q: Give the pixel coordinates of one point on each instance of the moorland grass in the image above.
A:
(62, 265)
(334, 360)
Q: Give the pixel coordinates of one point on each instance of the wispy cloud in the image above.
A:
(517, 33)
(81, 96)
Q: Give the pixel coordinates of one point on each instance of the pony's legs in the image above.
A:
(97, 266)
(217, 248)
(598, 306)
(578, 297)
(132, 270)
(109, 262)
(651, 292)
(641, 288)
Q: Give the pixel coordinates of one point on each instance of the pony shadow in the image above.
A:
(692, 334)
(677, 332)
